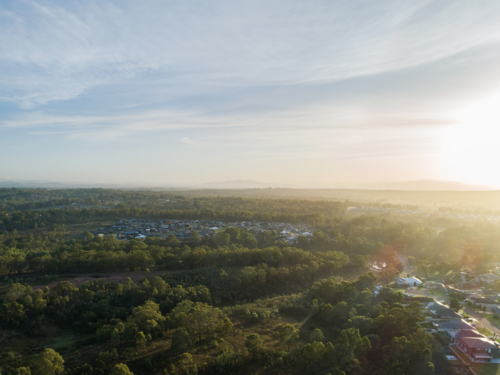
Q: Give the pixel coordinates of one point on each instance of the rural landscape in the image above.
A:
(260, 187)
(99, 281)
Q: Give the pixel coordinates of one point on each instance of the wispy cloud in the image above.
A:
(188, 141)
(56, 51)
(327, 84)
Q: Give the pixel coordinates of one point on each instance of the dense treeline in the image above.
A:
(366, 235)
(359, 334)
(232, 302)
(453, 247)
(24, 220)
(24, 209)
(46, 255)
(453, 201)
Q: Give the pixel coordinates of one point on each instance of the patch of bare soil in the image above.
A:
(79, 279)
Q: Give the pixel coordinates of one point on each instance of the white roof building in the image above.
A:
(409, 281)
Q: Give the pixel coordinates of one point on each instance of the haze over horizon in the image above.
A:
(284, 92)
(419, 185)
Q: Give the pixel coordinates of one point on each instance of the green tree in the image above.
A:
(121, 369)
(389, 274)
(454, 304)
(317, 335)
(398, 355)
(21, 371)
(148, 318)
(456, 295)
(227, 327)
(181, 340)
(253, 343)
(312, 352)
(288, 334)
(48, 362)
(202, 320)
(411, 260)
(359, 262)
(421, 267)
(140, 340)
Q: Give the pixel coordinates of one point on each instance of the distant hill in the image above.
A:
(429, 185)
(420, 185)
(56, 185)
(240, 184)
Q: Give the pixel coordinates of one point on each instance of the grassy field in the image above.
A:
(492, 318)
(440, 275)
(486, 368)
(485, 331)
(75, 230)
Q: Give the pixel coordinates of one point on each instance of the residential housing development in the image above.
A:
(461, 333)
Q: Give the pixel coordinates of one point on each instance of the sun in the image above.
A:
(472, 147)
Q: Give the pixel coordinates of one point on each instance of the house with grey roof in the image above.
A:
(440, 311)
(455, 325)
(485, 303)
(487, 278)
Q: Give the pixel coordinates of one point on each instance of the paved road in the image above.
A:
(423, 292)
(407, 269)
(481, 319)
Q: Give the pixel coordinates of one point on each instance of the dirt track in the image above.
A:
(79, 279)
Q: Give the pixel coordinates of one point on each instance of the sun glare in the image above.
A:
(472, 146)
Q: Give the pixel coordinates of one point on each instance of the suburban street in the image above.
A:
(481, 319)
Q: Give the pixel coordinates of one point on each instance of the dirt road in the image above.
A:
(79, 279)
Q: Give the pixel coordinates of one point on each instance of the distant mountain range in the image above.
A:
(57, 185)
(428, 185)
(241, 184)
(420, 185)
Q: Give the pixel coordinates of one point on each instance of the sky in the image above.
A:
(316, 93)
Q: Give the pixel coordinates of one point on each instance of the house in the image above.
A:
(479, 349)
(455, 325)
(451, 281)
(485, 303)
(408, 281)
(401, 282)
(436, 286)
(495, 310)
(454, 336)
(467, 287)
(487, 278)
(440, 311)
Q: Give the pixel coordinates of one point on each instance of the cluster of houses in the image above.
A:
(462, 333)
(184, 229)
(459, 331)
(474, 288)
